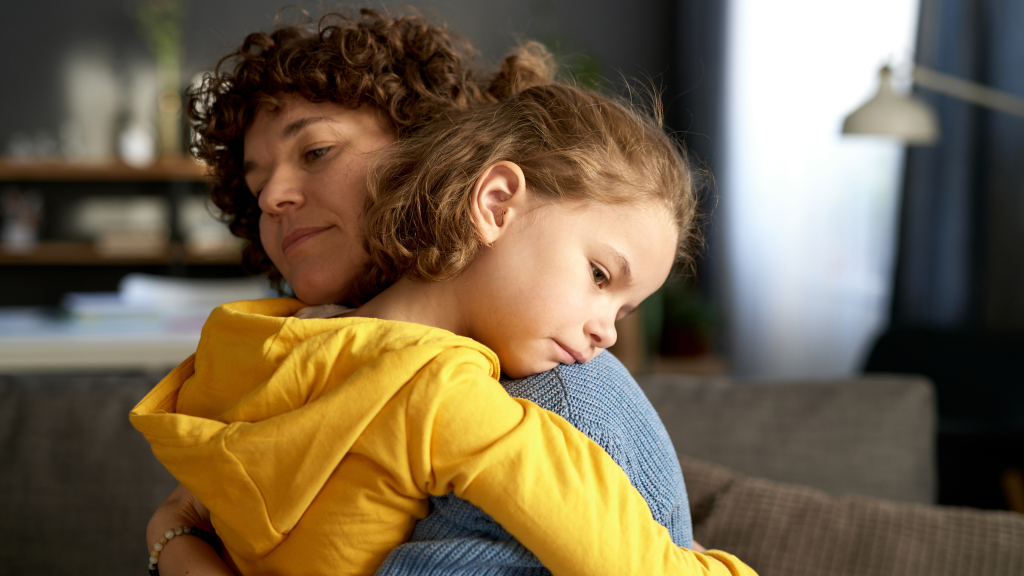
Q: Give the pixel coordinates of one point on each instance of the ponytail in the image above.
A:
(529, 65)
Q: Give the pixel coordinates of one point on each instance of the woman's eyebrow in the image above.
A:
(289, 132)
(295, 127)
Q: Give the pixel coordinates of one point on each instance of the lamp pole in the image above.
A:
(969, 91)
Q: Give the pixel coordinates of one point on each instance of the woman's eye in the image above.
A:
(317, 153)
(600, 278)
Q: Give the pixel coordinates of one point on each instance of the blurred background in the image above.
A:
(826, 255)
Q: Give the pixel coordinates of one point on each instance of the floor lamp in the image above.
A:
(911, 119)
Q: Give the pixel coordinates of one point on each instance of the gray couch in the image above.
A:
(826, 479)
(823, 479)
(868, 436)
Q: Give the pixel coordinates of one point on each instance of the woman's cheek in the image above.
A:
(270, 237)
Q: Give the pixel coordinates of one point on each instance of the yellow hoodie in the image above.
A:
(316, 443)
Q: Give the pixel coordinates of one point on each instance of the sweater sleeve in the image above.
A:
(549, 485)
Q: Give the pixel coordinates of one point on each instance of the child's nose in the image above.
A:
(602, 332)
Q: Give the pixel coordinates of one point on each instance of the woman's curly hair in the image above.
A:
(572, 144)
(402, 65)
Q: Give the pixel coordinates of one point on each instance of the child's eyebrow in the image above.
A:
(624, 268)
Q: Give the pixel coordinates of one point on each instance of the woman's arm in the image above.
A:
(184, 554)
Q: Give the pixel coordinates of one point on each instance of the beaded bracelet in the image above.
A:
(154, 554)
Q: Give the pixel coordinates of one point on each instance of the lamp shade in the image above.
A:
(909, 119)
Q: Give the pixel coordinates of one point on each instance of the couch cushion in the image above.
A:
(788, 530)
(868, 436)
(77, 483)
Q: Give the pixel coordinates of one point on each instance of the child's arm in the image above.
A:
(184, 555)
(600, 399)
(549, 485)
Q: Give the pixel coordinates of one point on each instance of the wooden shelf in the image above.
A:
(84, 254)
(174, 169)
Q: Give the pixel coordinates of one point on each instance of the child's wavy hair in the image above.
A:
(401, 65)
(572, 145)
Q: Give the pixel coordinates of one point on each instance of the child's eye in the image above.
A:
(600, 278)
(317, 153)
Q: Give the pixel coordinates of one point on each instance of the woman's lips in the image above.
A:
(300, 235)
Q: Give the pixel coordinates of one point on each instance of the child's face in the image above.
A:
(549, 290)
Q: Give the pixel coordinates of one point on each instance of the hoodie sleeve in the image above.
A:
(549, 485)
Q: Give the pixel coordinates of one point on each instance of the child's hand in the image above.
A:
(698, 548)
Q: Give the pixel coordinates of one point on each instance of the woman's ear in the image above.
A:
(499, 196)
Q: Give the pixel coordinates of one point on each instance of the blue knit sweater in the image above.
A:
(603, 401)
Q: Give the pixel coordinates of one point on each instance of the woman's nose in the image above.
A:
(602, 332)
(281, 193)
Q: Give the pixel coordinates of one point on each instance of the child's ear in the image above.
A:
(499, 196)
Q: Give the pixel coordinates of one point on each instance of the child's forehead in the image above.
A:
(611, 205)
(596, 218)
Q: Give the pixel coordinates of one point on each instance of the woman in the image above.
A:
(288, 133)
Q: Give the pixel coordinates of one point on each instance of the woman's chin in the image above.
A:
(313, 295)
(320, 285)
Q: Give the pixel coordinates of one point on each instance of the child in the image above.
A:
(530, 226)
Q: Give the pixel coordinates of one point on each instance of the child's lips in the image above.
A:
(570, 356)
(300, 235)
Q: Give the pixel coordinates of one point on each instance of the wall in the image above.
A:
(633, 39)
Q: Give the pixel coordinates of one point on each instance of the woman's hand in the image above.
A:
(184, 554)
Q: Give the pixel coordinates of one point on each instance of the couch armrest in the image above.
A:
(872, 436)
(788, 530)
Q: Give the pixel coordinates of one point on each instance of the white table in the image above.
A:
(41, 340)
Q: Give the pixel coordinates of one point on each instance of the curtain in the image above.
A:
(961, 256)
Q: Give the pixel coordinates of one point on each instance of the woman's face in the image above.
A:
(306, 163)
